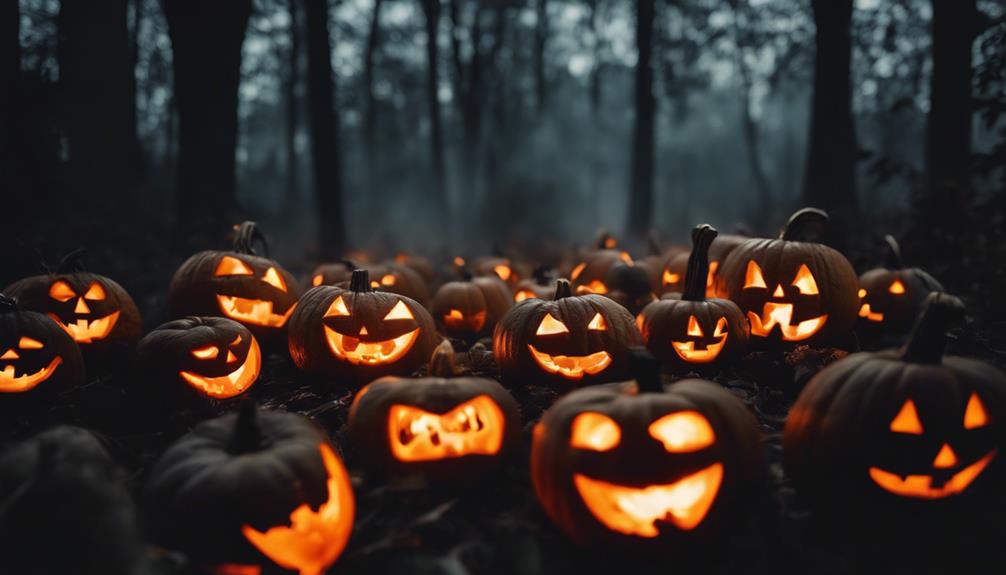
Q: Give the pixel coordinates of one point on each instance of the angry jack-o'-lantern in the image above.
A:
(252, 290)
(633, 466)
(252, 491)
(389, 276)
(590, 274)
(214, 356)
(693, 329)
(540, 285)
(570, 340)
(443, 426)
(902, 427)
(793, 290)
(360, 334)
(35, 352)
(470, 308)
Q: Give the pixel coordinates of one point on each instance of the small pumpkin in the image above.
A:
(214, 357)
(656, 260)
(470, 308)
(907, 428)
(504, 268)
(261, 489)
(695, 330)
(442, 426)
(359, 334)
(629, 285)
(540, 285)
(672, 276)
(590, 274)
(387, 276)
(633, 466)
(567, 340)
(240, 285)
(793, 290)
(418, 264)
(35, 351)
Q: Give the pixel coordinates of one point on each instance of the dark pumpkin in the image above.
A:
(36, 355)
(418, 264)
(470, 308)
(629, 285)
(388, 276)
(540, 285)
(656, 260)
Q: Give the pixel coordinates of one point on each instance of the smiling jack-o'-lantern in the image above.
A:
(388, 276)
(793, 290)
(35, 353)
(359, 333)
(252, 490)
(442, 426)
(631, 465)
(252, 290)
(578, 340)
(695, 330)
(214, 356)
(902, 426)
(470, 308)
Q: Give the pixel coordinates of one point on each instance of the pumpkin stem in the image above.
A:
(698, 263)
(645, 370)
(442, 361)
(7, 304)
(926, 344)
(247, 436)
(71, 262)
(360, 281)
(562, 289)
(894, 259)
(653, 243)
(806, 225)
(245, 235)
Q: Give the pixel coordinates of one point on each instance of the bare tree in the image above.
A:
(641, 192)
(291, 78)
(431, 12)
(540, 42)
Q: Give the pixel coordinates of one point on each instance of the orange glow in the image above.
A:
(626, 257)
(229, 266)
(317, 280)
(573, 366)
(459, 261)
(61, 291)
(920, 486)
(946, 458)
(388, 280)
(314, 539)
(597, 323)
(523, 295)
(670, 278)
(610, 242)
(456, 320)
(10, 382)
(84, 331)
(804, 281)
(595, 432)
(235, 569)
(81, 307)
(232, 384)
(472, 428)
(683, 432)
(897, 288)
(694, 329)
(338, 308)
(907, 420)
(351, 349)
(686, 349)
(866, 312)
(455, 314)
(596, 286)
(640, 322)
(635, 511)
(549, 325)
(577, 271)
(29, 343)
(95, 292)
(780, 314)
(252, 311)
(208, 352)
(753, 277)
(400, 311)
(862, 293)
(273, 278)
(10, 354)
(975, 415)
(503, 271)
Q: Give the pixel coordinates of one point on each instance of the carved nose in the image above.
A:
(778, 291)
(945, 458)
(363, 331)
(81, 306)
(10, 354)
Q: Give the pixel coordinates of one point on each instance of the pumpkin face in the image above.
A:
(792, 291)
(906, 428)
(500, 267)
(590, 274)
(470, 309)
(388, 276)
(303, 511)
(631, 466)
(216, 357)
(35, 351)
(360, 333)
(569, 340)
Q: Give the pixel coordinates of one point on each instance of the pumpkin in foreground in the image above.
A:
(36, 355)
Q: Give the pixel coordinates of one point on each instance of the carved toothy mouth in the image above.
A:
(572, 366)
(253, 311)
(10, 382)
(84, 331)
(357, 352)
(870, 315)
(234, 383)
(921, 486)
(473, 428)
(686, 351)
(781, 314)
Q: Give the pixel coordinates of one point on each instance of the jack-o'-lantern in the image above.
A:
(504, 268)
(35, 352)
(891, 297)
(252, 491)
(590, 274)
(672, 276)
(629, 285)
(793, 290)
(442, 426)
(633, 466)
(695, 330)
(360, 334)
(540, 285)
(470, 308)
(216, 357)
(252, 290)
(391, 277)
(95, 310)
(656, 260)
(568, 340)
(905, 427)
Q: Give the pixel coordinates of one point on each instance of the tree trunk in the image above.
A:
(641, 200)
(594, 99)
(540, 40)
(324, 132)
(10, 71)
(594, 86)
(830, 176)
(292, 198)
(138, 159)
(438, 193)
(369, 99)
(206, 40)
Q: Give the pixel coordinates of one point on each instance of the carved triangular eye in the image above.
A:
(29, 343)
(208, 352)
(61, 291)
(897, 288)
(237, 340)
(95, 292)
(694, 329)
(337, 308)
(907, 420)
(804, 281)
(273, 278)
(683, 432)
(503, 271)
(594, 431)
(400, 311)
(753, 277)
(597, 323)
(721, 328)
(549, 325)
(975, 415)
(670, 278)
(229, 266)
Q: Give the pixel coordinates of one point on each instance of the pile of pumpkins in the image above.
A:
(620, 460)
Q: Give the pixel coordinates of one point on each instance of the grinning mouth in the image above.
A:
(686, 351)
(10, 382)
(84, 331)
(921, 486)
(457, 321)
(253, 311)
(572, 366)
(234, 383)
(473, 428)
(359, 352)
(635, 511)
(870, 315)
(781, 314)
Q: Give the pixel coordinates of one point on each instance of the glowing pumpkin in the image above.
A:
(504, 268)
(35, 352)
(672, 275)
(389, 276)
(590, 274)
(469, 309)
(540, 285)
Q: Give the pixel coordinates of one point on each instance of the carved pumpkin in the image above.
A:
(792, 290)
(443, 426)
(470, 309)
(590, 274)
(252, 290)
(672, 276)
(360, 334)
(505, 269)
(905, 427)
(34, 352)
(891, 297)
(259, 489)
(95, 310)
(629, 285)
(540, 285)
(656, 260)
(213, 356)
(388, 276)
(633, 466)
(693, 329)
(569, 340)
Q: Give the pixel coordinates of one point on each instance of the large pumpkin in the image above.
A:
(359, 334)
(387, 276)
(633, 466)
(569, 340)
(470, 308)
(240, 285)
(35, 352)
(793, 290)
(909, 428)
(256, 489)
